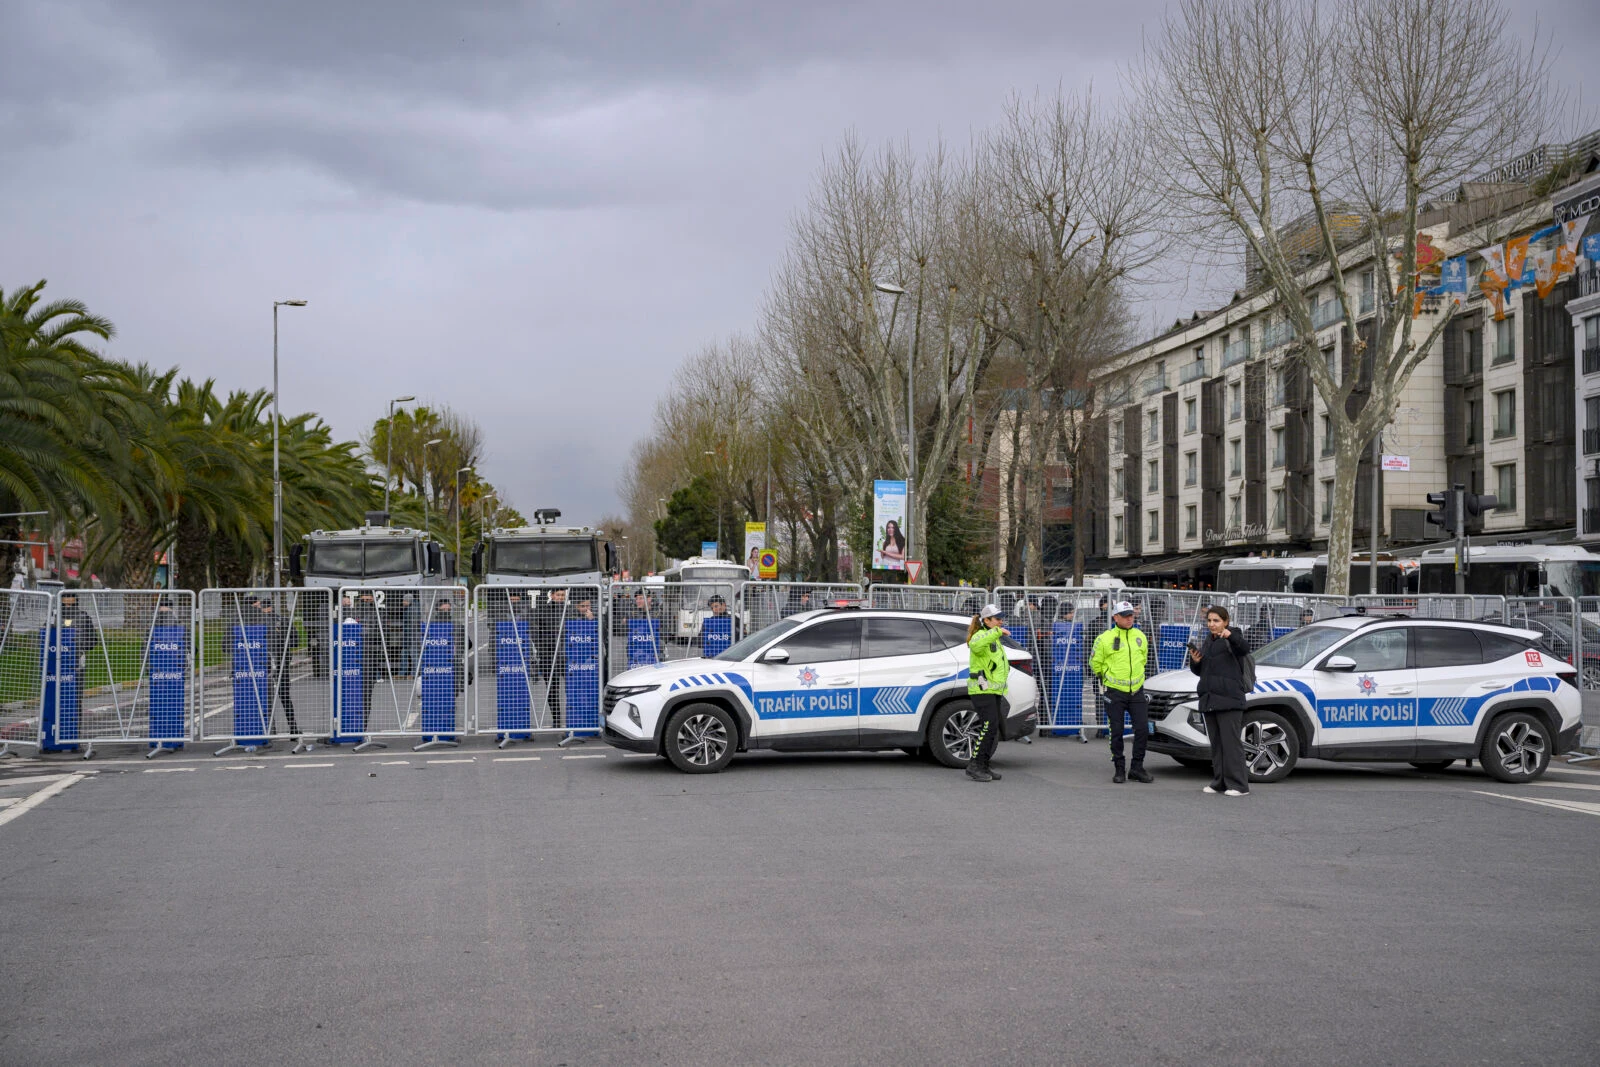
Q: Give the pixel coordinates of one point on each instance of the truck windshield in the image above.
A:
(338, 559)
(387, 558)
(540, 559)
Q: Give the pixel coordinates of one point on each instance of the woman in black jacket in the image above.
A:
(1219, 661)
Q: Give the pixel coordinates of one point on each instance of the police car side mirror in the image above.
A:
(1338, 663)
(776, 655)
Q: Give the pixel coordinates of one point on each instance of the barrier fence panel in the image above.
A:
(1057, 626)
(655, 621)
(1589, 674)
(1461, 607)
(536, 665)
(1265, 617)
(120, 663)
(24, 625)
(259, 673)
(956, 599)
(400, 664)
(763, 603)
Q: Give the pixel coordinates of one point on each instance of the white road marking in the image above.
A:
(37, 779)
(469, 759)
(393, 763)
(308, 765)
(597, 755)
(516, 759)
(243, 767)
(638, 755)
(167, 770)
(40, 797)
(6, 802)
(1579, 806)
(1567, 785)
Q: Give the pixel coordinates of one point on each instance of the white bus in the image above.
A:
(1515, 570)
(1265, 574)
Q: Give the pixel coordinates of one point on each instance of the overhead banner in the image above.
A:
(755, 539)
(889, 525)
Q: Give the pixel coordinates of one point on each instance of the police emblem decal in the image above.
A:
(808, 677)
(1367, 684)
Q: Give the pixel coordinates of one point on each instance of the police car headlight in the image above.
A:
(633, 714)
(633, 690)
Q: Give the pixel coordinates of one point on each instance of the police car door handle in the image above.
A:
(1399, 690)
(839, 681)
(1498, 683)
(934, 674)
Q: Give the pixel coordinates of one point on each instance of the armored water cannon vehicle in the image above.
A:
(544, 553)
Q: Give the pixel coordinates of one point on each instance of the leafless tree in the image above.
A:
(1270, 118)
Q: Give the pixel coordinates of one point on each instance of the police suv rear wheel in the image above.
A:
(953, 733)
(1271, 746)
(1518, 747)
(700, 738)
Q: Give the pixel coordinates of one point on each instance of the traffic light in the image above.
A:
(1478, 503)
(1445, 516)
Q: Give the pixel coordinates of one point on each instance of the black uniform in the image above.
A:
(282, 639)
(549, 639)
(1222, 702)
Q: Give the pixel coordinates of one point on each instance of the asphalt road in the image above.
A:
(863, 909)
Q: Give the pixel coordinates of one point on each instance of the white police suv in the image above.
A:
(817, 681)
(1369, 688)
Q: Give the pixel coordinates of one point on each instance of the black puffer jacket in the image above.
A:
(1221, 671)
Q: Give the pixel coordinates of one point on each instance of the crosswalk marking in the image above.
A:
(16, 810)
(1579, 806)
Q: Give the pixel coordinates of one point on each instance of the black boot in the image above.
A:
(976, 772)
(990, 771)
(1139, 774)
(1121, 775)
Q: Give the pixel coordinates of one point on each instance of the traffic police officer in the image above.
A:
(1118, 660)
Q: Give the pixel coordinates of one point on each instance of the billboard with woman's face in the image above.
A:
(889, 525)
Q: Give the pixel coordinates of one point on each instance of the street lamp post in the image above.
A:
(459, 473)
(388, 460)
(911, 429)
(425, 480)
(277, 479)
(710, 452)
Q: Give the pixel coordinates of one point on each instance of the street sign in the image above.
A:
(913, 571)
(708, 549)
(1396, 463)
(767, 565)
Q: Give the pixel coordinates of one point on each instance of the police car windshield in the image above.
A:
(1300, 647)
(748, 646)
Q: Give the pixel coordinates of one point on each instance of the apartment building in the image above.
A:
(1582, 200)
(1219, 446)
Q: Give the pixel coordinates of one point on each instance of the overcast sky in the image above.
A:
(528, 212)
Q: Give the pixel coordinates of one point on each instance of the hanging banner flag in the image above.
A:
(1516, 255)
(1591, 248)
(1544, 271)
(888, 525)
(1493, 279)
(1567, 249)
(755, 539)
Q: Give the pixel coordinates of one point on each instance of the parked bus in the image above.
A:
(1265, 574)
(1515, 570)
(1397, 575)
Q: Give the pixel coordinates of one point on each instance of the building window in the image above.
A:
(1505, 413)
(1191, 519)
(1235, 402)
(1505, 486)
(1191, 468)
(1153, 518)
(1235, 458)
(1061, 495)
(1277, 446)
(1332, 363)
(1235, 514)
(1474, 351)
(1280, 510)
(1474, 406)
(1153, 475)
(1280, 394)
(1327, 500)
(1367, 290)
(1116, 436)
(1505, 343)
(1118, 485)
(1191, 416)
(1116, 529)
(1327, 436)
(1153, 434)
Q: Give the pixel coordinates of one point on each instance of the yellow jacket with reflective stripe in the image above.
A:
(1120, 668)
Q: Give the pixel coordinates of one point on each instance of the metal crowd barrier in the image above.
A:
(1588, 633)
(956, 599)
(1457, 606)
(652, 622)
(537, 661)
(119, 666)
(400, 665)
(763, 603)
(24, 626)
(1265, 617)
(260, 676)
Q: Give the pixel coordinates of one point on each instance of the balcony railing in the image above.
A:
(1277, 458)
(1156, 383)
(1591, 359)
(1591, 441)
(1589, 280)
(1236, 353)
(1277, 335)
(1189, 479)
(1326, 314)
(1192, 371)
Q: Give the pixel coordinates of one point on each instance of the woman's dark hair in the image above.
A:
(893, 536)
(1219, 610)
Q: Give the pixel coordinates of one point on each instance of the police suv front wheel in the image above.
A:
(953, 733)
(1518, 747)
(1271, 745)
(700, 738)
